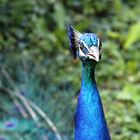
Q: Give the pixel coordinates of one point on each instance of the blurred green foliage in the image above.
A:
(34, 53)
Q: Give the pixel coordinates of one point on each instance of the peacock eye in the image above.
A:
(81, 46)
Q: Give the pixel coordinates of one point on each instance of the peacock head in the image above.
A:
(86, 46)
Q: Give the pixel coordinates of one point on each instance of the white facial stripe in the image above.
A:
(86, 46)
(81, 53)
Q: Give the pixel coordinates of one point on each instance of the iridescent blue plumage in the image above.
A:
(90, 39)
(90, 122)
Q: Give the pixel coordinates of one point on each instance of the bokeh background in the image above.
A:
(39, 80)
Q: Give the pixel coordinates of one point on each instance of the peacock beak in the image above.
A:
(91, 53)
(94, 53)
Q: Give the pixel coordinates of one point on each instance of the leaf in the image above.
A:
(130, 92)
(133, 35)
(59, 15)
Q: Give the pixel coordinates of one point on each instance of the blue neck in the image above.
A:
(90, 123)
(88, 70)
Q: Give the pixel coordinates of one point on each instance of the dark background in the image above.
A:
(38, 73)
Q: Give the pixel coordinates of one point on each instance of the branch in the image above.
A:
(16, 102)
(17, 92)
(46, 118)
(29, 105)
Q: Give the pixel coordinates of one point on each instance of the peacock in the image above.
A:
(90, 122)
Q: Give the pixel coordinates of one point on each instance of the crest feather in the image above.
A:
(74, 37)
